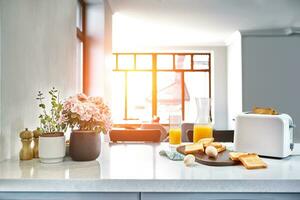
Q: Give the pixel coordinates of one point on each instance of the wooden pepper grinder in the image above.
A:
(26, 139)
(36, 135)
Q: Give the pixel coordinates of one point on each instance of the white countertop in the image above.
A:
(140, 168)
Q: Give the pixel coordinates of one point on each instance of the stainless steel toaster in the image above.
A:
(266, 135)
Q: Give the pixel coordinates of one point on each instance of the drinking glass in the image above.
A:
(175, 129)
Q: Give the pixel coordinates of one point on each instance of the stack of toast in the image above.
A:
(202, 144)
(249, 160)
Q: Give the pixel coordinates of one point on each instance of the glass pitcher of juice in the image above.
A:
(202, 127)
(175, 129)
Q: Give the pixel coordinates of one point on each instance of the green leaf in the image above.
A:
(42, 105)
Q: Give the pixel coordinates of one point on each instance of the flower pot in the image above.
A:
(52, 147)
(85, 145)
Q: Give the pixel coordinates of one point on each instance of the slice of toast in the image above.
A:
(222, 148)
(214, 144)
(235, 155)
(266, 111)
(192, 148)
(206, 141)
(252, 161)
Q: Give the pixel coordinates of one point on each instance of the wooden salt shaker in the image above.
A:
(26, 139)
(36, 135)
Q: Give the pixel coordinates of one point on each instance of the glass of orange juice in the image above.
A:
(175, 129)
(202, 126)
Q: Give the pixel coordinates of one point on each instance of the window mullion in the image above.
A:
(174, 65)
(154, 85)
(192, 62)
(209, 84)
(182, 96)
(126, 96)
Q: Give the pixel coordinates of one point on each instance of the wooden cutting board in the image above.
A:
(222, 159)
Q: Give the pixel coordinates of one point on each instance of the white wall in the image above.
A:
(271, 68)
(38, 42)
(219, 92)
(234, 78)
(1, 134)
(219, 84)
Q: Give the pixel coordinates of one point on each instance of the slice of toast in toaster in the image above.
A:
(252, 161)
(265, 111)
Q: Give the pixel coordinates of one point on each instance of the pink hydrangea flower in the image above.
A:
(77, 108)
(81, 97)
(87, 113)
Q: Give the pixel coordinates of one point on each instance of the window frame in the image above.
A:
(81, 35)
(80, 31)
(155, 70)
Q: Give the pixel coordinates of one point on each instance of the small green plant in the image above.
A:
(50, 120)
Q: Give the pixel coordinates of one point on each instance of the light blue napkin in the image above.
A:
(172, 155)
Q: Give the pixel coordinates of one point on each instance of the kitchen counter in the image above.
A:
(140, 168)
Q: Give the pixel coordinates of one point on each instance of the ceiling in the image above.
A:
(145, 23)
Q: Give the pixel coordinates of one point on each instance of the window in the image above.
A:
(80, 44)
(155, 84)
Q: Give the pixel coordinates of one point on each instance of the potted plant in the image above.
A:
(87, 117)
(52, 147)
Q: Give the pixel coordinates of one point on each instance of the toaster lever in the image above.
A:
(292, 146)
(293, 126)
